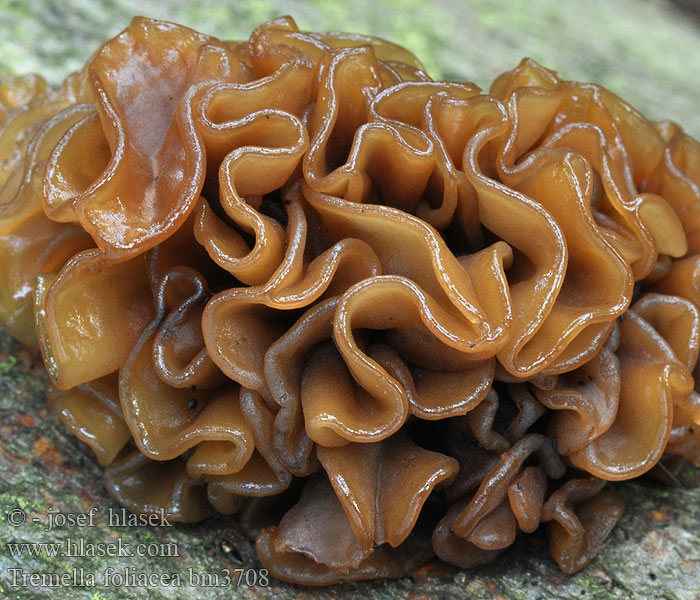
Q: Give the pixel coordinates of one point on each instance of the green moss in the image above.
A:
(7, 366)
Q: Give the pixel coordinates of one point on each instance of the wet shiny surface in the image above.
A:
(416, 317)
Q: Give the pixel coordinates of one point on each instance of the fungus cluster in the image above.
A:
(378, 317)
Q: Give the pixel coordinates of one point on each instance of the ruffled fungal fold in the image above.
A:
(376, 318)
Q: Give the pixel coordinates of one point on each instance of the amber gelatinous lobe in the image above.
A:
(147, 486)
(581, 516)
(90, 315)
(32, 243)
(586, 400)
(383, 486)
(93, 413)
(16, 90)
(168, 384)
(264, 474)
(652, 380)
(619, 144)
(155, 169)
(374, 316)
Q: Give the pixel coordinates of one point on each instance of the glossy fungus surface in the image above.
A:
(375, 317)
